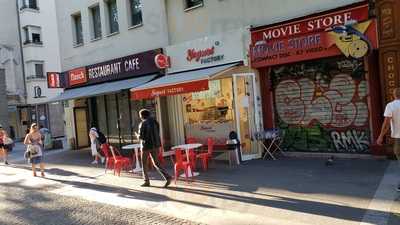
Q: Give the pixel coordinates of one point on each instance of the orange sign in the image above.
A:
(193, 86)
(77, 76)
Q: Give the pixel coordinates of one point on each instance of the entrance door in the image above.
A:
(245, 111)
(81, 127)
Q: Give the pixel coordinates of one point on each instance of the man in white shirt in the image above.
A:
(93, 135)
(392, 122)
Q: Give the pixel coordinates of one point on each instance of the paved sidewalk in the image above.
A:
(285, 191)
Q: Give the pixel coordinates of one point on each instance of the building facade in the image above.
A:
(13, 90)
(107, 47)
(41, 51)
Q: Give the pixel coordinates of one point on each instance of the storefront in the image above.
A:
(318, 80)
(98, 95)
(207, 93)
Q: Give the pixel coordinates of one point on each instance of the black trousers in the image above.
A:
(154, 159)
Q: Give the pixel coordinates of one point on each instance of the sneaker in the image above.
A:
(94, 162)
(398, 188)
(6, 162)
(168, 182)
(102, 160)
(145, 184)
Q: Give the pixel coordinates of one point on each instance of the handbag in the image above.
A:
(8, 141)
(33, 150)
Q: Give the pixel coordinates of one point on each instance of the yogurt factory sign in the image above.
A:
(206, 52)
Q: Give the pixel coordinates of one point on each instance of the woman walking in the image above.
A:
(3, 147)
(33, 141)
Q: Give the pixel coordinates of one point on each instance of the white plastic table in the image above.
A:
(187, 147)
(136, 147)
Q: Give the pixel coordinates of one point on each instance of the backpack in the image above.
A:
(102, 139)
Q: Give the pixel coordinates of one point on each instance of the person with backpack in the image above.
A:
(94, 135)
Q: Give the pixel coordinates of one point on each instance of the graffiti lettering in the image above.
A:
(350, 140)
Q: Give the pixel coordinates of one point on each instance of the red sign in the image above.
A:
(162, 61)
(313, 38)
(53, 80)
(77, 76)
(198, 54)
(194, 86)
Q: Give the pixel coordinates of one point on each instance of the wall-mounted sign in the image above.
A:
(77, 76)
(37, 92)
(345, 32)
(206, 52)
(125, 67)
(162, 61)
(53, 80)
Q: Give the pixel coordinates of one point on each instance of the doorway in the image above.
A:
(245, 112)
(81, 127)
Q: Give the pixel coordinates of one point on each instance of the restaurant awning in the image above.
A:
(179, 83)
(103, 88)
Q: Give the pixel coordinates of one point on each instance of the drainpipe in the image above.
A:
(21, 51)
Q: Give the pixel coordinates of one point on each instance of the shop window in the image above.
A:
(210, 113)
(112, 12)
(101, 115)
(124, 118)
(135, 12)
(112, 119)
(190, 4)
(77, 29)
(95, 21)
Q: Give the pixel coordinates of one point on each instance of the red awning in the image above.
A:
(179, 83)
(193, 86)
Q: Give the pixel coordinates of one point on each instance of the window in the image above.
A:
(112, 12)
(193, 3)
(39, 70)
(32, 35)
(31, 4)
(36, 38)
(135, 12)
(77, 25)
(96, 22)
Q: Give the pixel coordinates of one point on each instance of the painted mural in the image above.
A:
(322, 105)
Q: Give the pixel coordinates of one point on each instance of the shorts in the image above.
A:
(6, 147)
(36, 160)
(396, 148)
(93, 147)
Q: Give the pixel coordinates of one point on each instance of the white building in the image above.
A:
(95, 34)
(41, 54)
(11, 72)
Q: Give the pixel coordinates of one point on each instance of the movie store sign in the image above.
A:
(207, 52)
(346, 31)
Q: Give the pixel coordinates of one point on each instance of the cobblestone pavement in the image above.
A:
(21, 205)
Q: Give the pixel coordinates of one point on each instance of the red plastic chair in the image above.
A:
(207, 156)
(120, 162)
(180, 164)
(191, 140)
(105, 148)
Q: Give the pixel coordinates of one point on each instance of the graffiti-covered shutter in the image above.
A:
(322, 105)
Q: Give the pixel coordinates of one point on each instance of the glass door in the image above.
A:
(245, 111)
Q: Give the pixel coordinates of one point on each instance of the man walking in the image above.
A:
(149, 134)
(392, 121)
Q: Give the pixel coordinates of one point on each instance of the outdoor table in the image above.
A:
(187, 147)
(136, 147)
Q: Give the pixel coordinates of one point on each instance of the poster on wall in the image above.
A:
(322, 105)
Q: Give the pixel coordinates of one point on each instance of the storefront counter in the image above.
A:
(219, 131)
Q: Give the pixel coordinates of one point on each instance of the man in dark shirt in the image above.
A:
(149, 134)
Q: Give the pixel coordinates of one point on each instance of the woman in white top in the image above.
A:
(93, 135)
